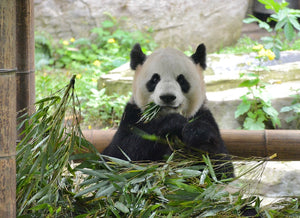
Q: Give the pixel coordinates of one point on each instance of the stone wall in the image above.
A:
(176, 23)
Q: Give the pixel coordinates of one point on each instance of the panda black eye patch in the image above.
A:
(184, 84)
(151, 84)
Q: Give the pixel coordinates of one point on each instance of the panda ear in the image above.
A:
(137, 57)
(199, 57)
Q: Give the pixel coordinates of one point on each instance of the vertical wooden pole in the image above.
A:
(7, 108)
(25, 55)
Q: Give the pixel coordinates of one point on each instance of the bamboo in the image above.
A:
(25, 56)
(242, 143)
(7, 108)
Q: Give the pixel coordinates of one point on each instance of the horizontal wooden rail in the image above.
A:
(243, 143)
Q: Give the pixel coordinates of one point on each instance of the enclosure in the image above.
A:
(17, 97)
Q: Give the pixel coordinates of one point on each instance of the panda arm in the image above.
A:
(123, 138)
(202, 132)
(129, 141)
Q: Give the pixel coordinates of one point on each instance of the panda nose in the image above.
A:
(167, 98)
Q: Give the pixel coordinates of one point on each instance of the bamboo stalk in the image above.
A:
(7, 108)
(25, 56)
(243, 143)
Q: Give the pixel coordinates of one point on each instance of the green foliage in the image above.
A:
(43, 155)
(294, 108)
(108, 48)
(178, 187)
(289, 208)
(256, 107)
(243, 45)
(43, 51)
(286, 23)
(109, 109)
(50, 184)
(97, 108)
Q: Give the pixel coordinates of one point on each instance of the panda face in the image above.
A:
(171, 80)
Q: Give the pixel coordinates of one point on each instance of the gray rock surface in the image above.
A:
(177, 23)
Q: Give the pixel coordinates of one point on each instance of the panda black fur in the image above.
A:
(175, 82)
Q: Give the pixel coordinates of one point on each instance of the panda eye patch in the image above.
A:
(151, 84)
(184, 84)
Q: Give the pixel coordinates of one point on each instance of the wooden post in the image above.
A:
(25, 56)
(7, 108)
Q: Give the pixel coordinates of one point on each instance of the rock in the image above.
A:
(223, 104)
(175, 23)
(117, 81)
(273, 181)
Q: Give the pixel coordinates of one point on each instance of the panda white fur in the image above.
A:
(175, 82)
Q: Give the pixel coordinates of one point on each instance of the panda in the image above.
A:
(175, 82)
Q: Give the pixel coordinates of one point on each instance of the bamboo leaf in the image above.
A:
(106, 190)
(210, 168)
(97, 173)
(92, 188)
(121, 207)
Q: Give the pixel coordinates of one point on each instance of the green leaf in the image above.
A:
(296, 107)
(253, 124)
(273, 5)
(188, 172)
(270, 111)
(242, 108)
(276, 52)
(91, 188)
(291, 118)
(261, 23)
(286, 109)
(249, 83)
(105, 191)
(265, 26)
(96, 173)
(107, 24)
(280, 24)
(40, 207)
(210, 167)
(77, 57)
(121, 207)
(275, 122)
(289, 31)
(250, 20)
(120, 162)
(294, 22)
(180, 184)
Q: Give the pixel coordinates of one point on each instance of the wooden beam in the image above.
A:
(242, 143)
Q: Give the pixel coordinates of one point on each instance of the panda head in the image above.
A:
(170, 79)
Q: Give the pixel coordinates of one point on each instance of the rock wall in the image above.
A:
(176, 23)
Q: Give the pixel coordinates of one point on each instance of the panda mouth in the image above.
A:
(170, 107)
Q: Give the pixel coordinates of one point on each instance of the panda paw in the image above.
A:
(171, 124)
(202, 138)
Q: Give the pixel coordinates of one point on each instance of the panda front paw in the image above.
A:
(201, 137)
(171, 124)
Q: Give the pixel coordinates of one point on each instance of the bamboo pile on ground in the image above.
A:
(60, 174)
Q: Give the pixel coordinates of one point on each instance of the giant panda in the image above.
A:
(175, 82)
